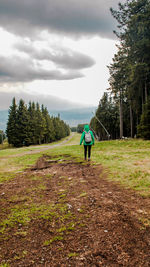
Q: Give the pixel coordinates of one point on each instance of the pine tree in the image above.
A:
(2, 137)
(40, 125)
(144, 126)
(22, 125)
(134, 35)
(49, 135)
(57, 127)
(32, 123)
(106, 121)
(12, 123)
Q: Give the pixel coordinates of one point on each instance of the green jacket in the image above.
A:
(86, 128)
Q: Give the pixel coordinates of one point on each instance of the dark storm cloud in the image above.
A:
(76, 17)
(64, 58)
(16, 69)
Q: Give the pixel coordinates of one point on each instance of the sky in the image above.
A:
(56, 52)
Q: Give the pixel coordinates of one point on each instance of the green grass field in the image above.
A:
(125, 161)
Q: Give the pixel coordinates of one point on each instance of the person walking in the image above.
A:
(87, 138)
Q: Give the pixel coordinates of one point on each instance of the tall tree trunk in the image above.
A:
(131, 121)
(121, 118)
(145, 92)
(142, 100)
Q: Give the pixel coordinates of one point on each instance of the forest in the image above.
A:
(32, 125)
(124, 109)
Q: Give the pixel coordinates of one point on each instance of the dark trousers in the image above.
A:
(88, 147)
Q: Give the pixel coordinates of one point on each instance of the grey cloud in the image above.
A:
(51, 102)
(16, 69)
(63, 57)
(76, 17)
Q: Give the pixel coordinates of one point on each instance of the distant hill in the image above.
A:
(75, 116)
(72, 117)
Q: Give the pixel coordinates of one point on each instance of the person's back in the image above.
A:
(87, 138)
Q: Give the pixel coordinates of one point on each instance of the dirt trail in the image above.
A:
(80, 219)
(41, 148)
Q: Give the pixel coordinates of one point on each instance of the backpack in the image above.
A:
(88, 137)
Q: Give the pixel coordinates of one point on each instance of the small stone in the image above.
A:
(105, 231)
(69, 206)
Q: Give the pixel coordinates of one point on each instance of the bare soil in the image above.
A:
(92, 221)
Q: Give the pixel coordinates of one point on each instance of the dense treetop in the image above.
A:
(124, 110)
(31, 125)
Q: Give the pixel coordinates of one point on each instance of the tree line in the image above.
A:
(32, 125)
(2, 136)
(125, 108)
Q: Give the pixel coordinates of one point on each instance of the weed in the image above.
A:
(71, 226)
(54, 239)
(67, 216)
(145, 222)
(72, 254)
(67, 228)
(62, 195)
(35, 178)
(83, 194)
(81, 225)
(4, 265)
(20, 255)
(41, 186)
(21, 233)
(62, 229)
(43, 211)
(6, 176)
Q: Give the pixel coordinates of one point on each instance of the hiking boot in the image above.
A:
(89, 159)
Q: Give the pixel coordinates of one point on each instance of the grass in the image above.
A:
(128, 162)
(22, 214)
(125, 161)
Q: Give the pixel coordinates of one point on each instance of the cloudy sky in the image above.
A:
(56, 52)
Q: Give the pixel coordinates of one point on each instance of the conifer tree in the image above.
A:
(49, 135)
(2, 137)
(12, 123)
(106, 121)
(32, 123)
(144, 126)
(22, 125)
(40, 125)
(57, 127)
(134, 35)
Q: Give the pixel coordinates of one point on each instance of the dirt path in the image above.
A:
(65, 213)
(41, 148)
